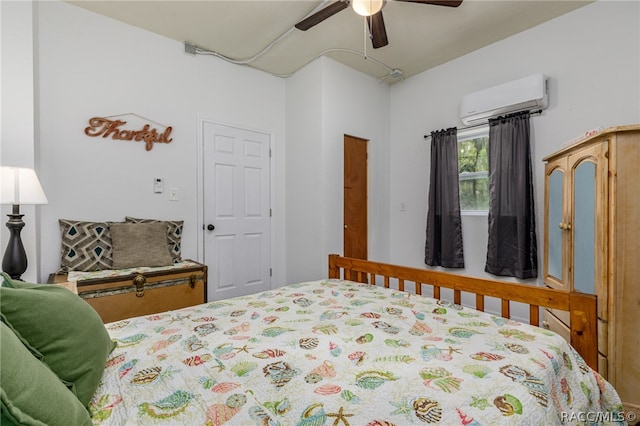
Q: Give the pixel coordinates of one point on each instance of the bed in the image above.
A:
(357, 349)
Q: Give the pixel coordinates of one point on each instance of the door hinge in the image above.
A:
(269, 152)
(270, 272)
(270, 213)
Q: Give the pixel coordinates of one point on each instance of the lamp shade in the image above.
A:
(20, 185)
(367, 7)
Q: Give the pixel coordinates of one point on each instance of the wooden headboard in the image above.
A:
(581, 306)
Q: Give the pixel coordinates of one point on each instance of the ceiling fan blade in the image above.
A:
(450, 3)
(321, 15)
(377, 30)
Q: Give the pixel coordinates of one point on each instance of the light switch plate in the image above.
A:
(173, 194)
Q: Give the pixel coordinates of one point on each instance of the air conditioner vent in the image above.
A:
(529, 93)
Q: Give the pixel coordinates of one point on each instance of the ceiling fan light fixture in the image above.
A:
(367, 7)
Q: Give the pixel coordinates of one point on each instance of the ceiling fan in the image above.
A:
(371, 10)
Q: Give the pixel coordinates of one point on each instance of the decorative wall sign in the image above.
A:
(112, 127)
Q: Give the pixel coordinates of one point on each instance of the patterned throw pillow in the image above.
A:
(86, 246)
(174, 234)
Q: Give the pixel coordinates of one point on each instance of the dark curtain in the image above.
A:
(444, 229)
(512, 247)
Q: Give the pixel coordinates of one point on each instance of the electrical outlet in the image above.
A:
(403, 206)
(173, 194)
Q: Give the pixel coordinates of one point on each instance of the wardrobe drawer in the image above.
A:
(603, 337)
(602, 366)
(563, 316)
(551, 322)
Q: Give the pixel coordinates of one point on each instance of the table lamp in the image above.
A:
(18, 185)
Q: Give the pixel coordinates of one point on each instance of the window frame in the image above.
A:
(465, 135)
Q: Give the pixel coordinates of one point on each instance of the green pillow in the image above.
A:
(32, 394)
(5, 281)
(61, 329)
(4, 420)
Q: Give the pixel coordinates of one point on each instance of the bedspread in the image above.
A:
(334, 352)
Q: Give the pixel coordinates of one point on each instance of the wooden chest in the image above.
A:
(142, 293)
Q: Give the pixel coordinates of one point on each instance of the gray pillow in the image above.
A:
(140, 244)
(174, 234)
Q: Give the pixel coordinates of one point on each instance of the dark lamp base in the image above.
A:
(14, 262)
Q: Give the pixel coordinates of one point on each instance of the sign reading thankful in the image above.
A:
(105, 127)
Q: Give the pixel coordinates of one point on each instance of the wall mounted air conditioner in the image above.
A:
(525, 94)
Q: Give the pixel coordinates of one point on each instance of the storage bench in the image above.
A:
(125, 293)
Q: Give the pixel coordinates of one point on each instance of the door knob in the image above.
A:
(210, 227)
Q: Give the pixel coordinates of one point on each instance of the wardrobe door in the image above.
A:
(587, 223)
(584, 227)
(555, 246)
(589, 238)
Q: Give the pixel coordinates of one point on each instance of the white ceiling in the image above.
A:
(420, 36)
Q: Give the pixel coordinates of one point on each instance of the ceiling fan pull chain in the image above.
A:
(366, 33)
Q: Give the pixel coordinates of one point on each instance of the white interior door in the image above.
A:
(236, 213)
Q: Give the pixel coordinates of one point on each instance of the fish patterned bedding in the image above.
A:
(335, 352)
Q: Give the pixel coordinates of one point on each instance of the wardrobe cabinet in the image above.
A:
(592, 245)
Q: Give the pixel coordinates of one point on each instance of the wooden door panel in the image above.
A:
(355, 198)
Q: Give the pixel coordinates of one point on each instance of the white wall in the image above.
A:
(90, 66)
(17, 147)
(325, 101)
(304, 168)
(592, 57)
(356, 105)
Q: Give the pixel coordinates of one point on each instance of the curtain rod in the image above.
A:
(539, 111)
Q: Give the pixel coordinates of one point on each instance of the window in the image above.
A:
(473, 166)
